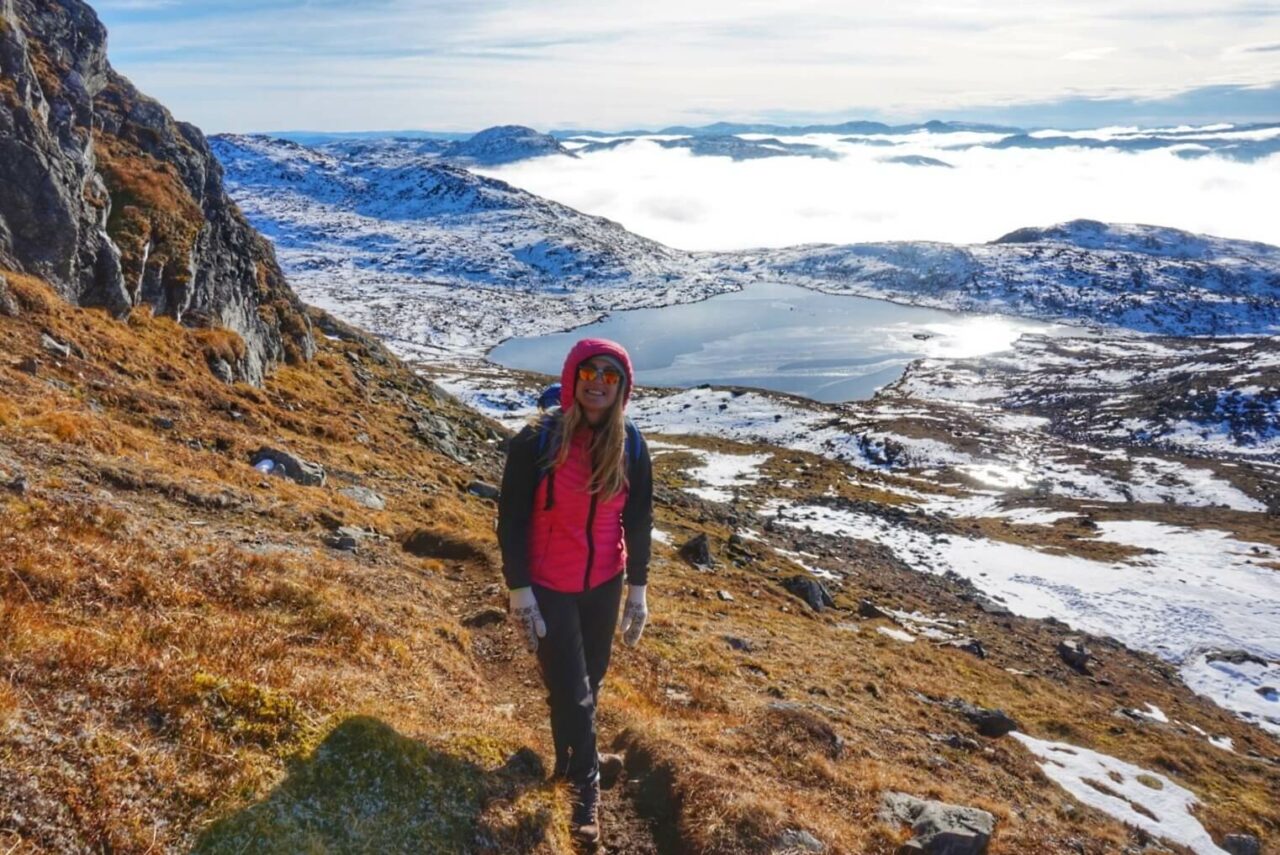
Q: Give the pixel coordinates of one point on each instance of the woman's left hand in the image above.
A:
(635, 614)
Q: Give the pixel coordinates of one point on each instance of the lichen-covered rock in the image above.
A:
(1242, 844)
(295, 468)
(939, 828)
(114, 203)
(365, 497)
(1074, 652)
(8, 304)
(811, 591)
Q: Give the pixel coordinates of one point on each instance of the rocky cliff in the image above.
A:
(116, 204)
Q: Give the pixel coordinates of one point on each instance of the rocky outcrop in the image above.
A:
(938, 828)
(115, 204)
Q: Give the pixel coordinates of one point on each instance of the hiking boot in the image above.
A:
(610, 770)
(586, 814)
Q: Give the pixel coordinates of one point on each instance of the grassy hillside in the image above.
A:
(186, 660)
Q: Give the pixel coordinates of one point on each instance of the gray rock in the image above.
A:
(725, 596)
(939, 828)
(488, 616)
(870, 610)
(52, 346)
(1242, 844)
(1074, 652)
(365, 497)
(1236, 657)
(8, 303)
(295, 468)
(955, 740)
(990, 722)
(222, 370)
(742, 644)
(968, 645)
(484, 490)
(343, 542)
(798, 840)
(810, 590)
(697, 551)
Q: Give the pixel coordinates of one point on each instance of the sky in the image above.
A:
(462, 65)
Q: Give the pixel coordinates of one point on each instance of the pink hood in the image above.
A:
(580, 353)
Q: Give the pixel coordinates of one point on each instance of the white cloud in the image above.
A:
(713, 203)
(603, 63)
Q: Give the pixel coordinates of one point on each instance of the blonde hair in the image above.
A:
(608, 446)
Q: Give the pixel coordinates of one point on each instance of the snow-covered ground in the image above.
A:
(1131, 794)
(1189, 591)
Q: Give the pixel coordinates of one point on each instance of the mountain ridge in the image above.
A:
(116, 204)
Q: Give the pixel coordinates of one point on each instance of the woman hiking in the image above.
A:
(574, 519)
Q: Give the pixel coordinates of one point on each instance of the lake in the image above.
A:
(781, 337)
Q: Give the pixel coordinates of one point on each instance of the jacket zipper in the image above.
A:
(591, 543)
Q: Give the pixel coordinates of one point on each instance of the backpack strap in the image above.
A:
(545, 427)
(633, 445)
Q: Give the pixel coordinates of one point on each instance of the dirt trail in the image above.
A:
(512, 679)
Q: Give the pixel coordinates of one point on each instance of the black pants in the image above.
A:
(574, 656)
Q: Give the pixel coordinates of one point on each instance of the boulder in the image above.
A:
(697, 552)
(365, 497)
(54, 347)
(968, 645)
(938, 828)
(294, 468)
(8, 303)
(1236, 657)
(222, 370)
(810, 590)
(871, 611)
(993, 723)
(1074, 652)
(1242, 844)
(611, 769)
(488, 616)
(484, 490)
(795, 840)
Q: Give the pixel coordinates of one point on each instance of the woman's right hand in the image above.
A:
(527, 617)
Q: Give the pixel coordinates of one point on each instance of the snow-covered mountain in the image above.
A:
(1143, 278)
(383, 214)
(393, 210)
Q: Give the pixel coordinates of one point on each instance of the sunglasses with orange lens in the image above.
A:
(611, 376)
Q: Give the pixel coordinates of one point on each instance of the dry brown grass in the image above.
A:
(174, 633)
(153, 215)
(221, 344)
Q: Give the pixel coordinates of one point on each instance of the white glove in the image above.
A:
(634, 615)
(527, 617)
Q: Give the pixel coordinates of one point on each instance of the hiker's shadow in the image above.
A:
(366, 788)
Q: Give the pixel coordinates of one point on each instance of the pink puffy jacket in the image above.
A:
(553, 532)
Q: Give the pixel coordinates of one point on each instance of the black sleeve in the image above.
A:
(637, 516)
(515, 506)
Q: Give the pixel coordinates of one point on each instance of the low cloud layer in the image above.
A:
(697, 203)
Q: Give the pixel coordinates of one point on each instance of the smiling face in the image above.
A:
(597, 395)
